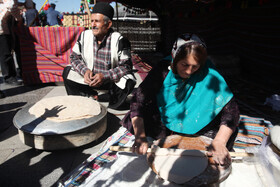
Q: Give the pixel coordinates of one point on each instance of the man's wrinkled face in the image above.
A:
(99, 26)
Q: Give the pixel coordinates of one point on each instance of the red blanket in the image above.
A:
(45, 52)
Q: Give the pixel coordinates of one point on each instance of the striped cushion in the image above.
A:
(251, 131)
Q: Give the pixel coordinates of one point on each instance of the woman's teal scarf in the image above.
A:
(186, 106)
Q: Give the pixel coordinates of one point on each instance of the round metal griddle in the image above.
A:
(26, 122)
(41, 133)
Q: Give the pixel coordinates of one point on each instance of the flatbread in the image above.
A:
(65, 108)
(180, 169)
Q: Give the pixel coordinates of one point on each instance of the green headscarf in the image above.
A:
(188, 106)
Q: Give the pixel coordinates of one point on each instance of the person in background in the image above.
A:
(22, 10)
(16, 48)
(101, 60)
(31, 15)
(187, 97)
(8, 11)
(53, 17)
(42, 19)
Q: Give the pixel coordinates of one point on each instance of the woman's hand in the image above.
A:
(219, 152)
(140, 145)
(218, 148)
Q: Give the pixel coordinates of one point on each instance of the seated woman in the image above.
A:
(191, 98)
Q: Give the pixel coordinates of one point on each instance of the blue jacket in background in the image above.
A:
(53, 16)
(30, 15)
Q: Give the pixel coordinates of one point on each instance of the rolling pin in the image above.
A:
(177, 152)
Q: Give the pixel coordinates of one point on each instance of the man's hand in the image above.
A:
(97, 80)
(88, 77)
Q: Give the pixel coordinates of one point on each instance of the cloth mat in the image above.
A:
(103, 169)
(107, 168)
(95, 161)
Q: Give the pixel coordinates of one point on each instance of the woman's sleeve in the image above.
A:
(145, 95)
(230, 114)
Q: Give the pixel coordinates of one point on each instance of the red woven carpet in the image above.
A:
(45, 52)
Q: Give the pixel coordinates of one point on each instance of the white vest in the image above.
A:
(87, 54)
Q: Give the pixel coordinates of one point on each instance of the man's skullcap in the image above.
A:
(104, 8)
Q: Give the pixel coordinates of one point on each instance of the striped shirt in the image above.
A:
(102, 60)
(7, 8)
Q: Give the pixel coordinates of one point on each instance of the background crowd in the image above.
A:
(14, 15)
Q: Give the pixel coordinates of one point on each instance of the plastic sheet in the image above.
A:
(267, 163)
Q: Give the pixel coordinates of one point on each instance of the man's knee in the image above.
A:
(118, 95)
(65, 72)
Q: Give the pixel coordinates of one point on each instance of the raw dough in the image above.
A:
(65, 108)
(180, 169)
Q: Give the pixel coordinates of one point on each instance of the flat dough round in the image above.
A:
(65, 108)
(180, 169)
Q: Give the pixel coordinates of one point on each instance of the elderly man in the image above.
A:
(101, 60)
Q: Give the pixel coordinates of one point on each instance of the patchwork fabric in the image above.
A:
(93, 163)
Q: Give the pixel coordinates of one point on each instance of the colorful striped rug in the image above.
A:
(45, 52)
(93, 163)
(251, 131)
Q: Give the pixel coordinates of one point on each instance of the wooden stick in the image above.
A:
(178, 152)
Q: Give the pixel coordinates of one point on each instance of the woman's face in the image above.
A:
(186, 67)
